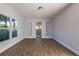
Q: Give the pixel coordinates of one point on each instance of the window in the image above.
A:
(14, 28)
(5, 26)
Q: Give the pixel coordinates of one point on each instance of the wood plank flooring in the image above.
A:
(37, 47)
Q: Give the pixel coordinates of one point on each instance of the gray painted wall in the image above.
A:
(49, 28)
(66, 28)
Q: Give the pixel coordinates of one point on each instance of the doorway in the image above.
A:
(38, 29)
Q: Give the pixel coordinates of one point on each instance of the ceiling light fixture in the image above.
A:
(40, 8)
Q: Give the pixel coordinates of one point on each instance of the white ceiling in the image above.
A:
(30, 10)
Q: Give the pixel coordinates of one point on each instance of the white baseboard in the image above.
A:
(29, 37)
(71, 49)
(47, 37)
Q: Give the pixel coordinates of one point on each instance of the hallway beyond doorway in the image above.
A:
(38, 29)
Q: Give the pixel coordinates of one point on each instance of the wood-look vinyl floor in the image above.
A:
(37, 47)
